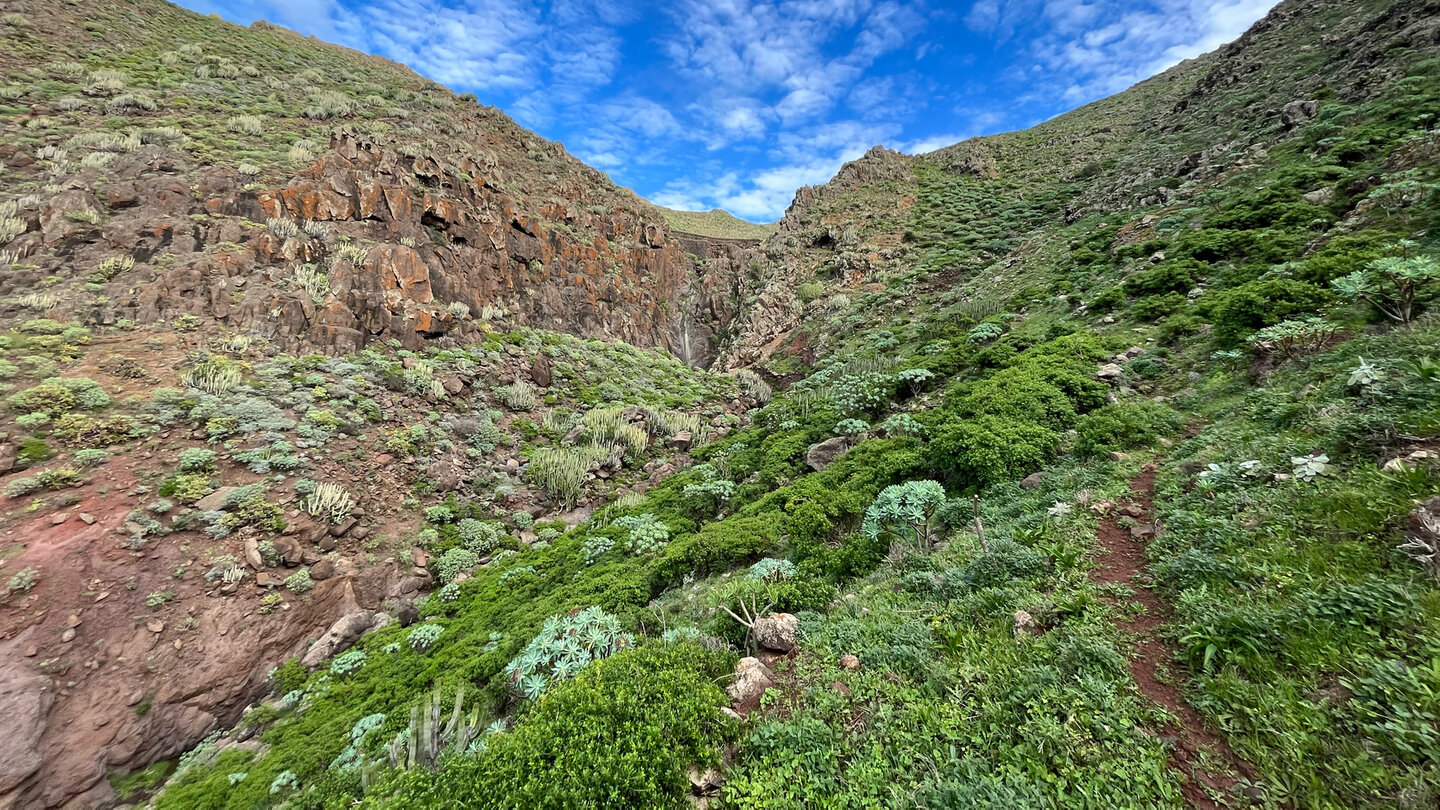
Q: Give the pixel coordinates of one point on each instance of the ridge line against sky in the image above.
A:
(735, 104)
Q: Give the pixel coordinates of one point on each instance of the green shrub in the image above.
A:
(57, 395)
(905, 511)
(453, 562)
(988, 449)
(1168, 277)
(187, 487)
(1123, 426)
(1257, 304)
(1019, 395)
(32, 451)
(646, 533)
(564, 646)
(1155, 307)
(57, 478)
(85, 430)
(197, 460)
(620, 734)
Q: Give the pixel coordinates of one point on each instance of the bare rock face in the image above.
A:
(24, 702)
(440, 249)
(344, 632)
(777, 631)
(752, 678)
(823, 454)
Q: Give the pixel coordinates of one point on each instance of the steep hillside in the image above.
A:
(276, 185)
(1095, 465)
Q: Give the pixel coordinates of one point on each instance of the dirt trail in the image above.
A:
(1122, 560)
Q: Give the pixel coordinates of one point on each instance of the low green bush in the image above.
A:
(619, 734)
(1123, 426)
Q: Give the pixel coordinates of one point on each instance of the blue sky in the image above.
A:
(736, 103)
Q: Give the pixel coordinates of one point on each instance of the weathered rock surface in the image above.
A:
(344, 632)
(752, 678)
(777, 631)
(823, 454)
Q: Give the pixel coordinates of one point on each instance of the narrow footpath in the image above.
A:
(1152, 661)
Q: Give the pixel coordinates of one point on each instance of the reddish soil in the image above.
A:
(1122, 560)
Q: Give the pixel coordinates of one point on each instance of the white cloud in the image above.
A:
(1087, 49)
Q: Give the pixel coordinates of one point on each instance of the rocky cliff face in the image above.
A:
(367, 244)
(437, 219)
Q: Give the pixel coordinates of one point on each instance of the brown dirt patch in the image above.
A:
(1122, 560)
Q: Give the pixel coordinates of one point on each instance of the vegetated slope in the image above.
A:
(166, 165)
(983, 348)
(717, 223)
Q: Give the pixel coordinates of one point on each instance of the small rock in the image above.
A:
(339, 529)
(135, 697)
(418, 557)
(68, 636)
(322, 570)
(328, 543)
(1144, 531)
(1110, 372)
(1116, 455)
(73, 620)
(87, 518)
(31, 651)
(707, 783)
(682, 439)
(849, 661)
(56, 520)
(1024, 623)
(359, 532)
(155, 626)
(1032, 481)
(266, 579)
(252, 554)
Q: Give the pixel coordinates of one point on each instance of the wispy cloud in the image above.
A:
(736, 103)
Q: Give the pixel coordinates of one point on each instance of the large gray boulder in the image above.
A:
(823, 454)
(344, 632)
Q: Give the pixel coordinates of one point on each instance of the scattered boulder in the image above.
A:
(1298, 112)
(823, 454)
(214, 500)
(849, 661)
(1032, 481)
(252, 553)
(540, 371)
(322, 570)
(1110, 372)
(752, 678)
(290, 550)
(682, 439)
(777, 631)
(344, 632)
